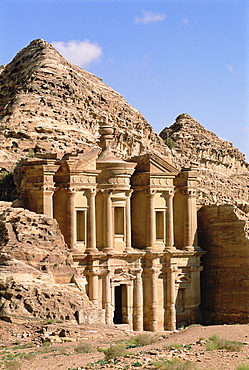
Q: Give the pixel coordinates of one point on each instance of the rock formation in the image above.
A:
(50, 105)
(224, 234)
(222, 169)
(38, 278)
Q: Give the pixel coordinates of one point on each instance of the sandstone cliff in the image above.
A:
(38, 278)
(224, 234)
(50, 105)
(222, 169)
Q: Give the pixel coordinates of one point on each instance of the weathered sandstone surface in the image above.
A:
(222, 169)
(37, 276)
(49, 105)
(224, 234)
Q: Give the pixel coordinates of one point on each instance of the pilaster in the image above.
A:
(91, 223)
(169, 220)
(71, 217)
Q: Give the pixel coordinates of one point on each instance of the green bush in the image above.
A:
(115, 351)
(244, 366)
(219, 343)
(174, 365)
(141, 340)
(174, 345)
(84, 347)
(170, 143)
(12, 365)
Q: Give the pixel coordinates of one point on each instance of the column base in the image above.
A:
(109, 251)
(92, 250)
(189, 248)
(128, 249)
(169, 248)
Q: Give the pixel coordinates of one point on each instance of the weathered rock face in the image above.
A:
(224, 234)
(223, 172)
(37, 275)
(48, 104)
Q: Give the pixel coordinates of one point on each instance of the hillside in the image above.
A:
(49, 105)
(222, 169)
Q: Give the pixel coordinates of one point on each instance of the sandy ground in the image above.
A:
(63, 356)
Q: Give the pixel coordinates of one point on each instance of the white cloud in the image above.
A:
(231, 69)
(185, 21)
(81, 53)
(150, 17)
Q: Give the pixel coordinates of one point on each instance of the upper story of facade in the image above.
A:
(105, 204)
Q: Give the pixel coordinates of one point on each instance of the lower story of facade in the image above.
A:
(144, 290)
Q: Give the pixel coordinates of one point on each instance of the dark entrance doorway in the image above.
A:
(118, 292)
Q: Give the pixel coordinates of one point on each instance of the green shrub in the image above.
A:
(115, 351)
(31, 153)
(22, 346)
(244, 366)
(29, 356)
(12, 365)
(193, 325)
(141, 340)
(219, 343)
(170, 143)
(174, 365)
(174, 345)
(84, 347)
(137, 364)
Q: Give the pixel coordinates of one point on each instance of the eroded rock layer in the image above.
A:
(222, 169)
(48, 104)
(37, 276)
(224, 234)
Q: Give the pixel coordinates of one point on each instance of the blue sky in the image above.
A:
(165, 57)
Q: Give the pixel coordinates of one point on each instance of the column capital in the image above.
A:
(92, 192)
(171, 269)
(136, 271)
(107, 192)
(93, 272)
(169, 192)
(70, 191)
(195, 268)
(189, 192)
(151, 192)
(129, 192)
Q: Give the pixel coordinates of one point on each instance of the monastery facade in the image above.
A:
(131, 227)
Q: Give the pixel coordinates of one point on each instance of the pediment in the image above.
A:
(153, 163)
(181, 278)
(83, 162)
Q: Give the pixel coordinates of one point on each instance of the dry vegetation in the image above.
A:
(194, 348)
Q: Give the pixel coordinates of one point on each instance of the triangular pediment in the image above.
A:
(154, 164)
(82, 162)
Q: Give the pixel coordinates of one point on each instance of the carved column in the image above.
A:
(108, 299)
(48, 201)
(70, 218)
(108, 222)
(170, 296)
(194, 292)
(169, 220)
(128, 220)
(138, 302)
(129, 304)
(94, 286)
(151, 219)
(154, 303)
(91, 222)
(190, 224)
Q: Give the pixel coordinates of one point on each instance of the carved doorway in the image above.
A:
(119, 301)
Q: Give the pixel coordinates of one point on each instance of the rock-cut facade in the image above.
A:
(131, 227)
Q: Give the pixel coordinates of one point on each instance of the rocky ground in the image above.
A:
(48, 345)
